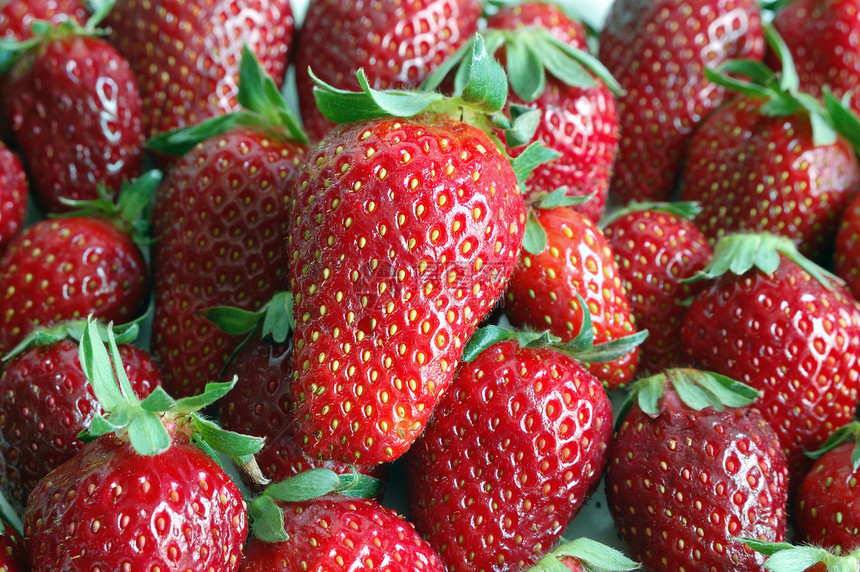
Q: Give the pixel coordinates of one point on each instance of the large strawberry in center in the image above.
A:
(405, 231)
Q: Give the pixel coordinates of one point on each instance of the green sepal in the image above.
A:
(320, 481)
(10, 516)
(524, 124)
(687, 210)
(99, 370)
(487, 336)
(211, 393)
(240, 448)
(435, 78)
(267, 520)
(613, 349)
(72, 329)
(531, 157)
(158, 401)
(784, 557)
(198, 441)
(274, 319)
(789, 81)
(526, 72)
(587, 61)
(534, 236)
(846, 120)
(147, 433)
(103, 426)
(594, 557)
(486, 85)
(232, 320)
(560, 198)
(180, 141)
(845, 434)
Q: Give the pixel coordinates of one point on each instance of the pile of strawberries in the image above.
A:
(228, 323)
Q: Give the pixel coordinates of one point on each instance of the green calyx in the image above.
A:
(783, 96)
(263, 108)
(592, 555)
(581, 347)
(145, 422)
(266, 516)
(687, 210)
(785, 557)
(695, 388)
(739, 253)
(8, 515)
(845, 434)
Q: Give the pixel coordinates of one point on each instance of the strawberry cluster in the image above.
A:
(410, 286)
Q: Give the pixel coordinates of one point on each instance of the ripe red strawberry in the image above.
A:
(141, 495)
(656, 247)
(774, 320)
(575, 260)
(513, 450)
(827, 508)
(47, 400)
(686, 477)
(846, 257)
(821, 35)
(549, 15)
(405, 231)
(186, 54)
(396, 43)
(784, 557)
(13, 196)
(584, 555)
(17, 16)
(12, 555)
(65, 268)
(75, 114)
(658, 52)
(220, 223)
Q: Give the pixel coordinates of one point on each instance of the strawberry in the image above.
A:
(772, 160)
(656, 247)
(821, 35)
(574, 258)
(65, 268)
(827, 508)
(12, 556)
(396, 43)
(13, 196)
(75, 113)
(658, 52)
(548, 15)
(407, 223)
(220, 223)
(846, 256)
(17, 16)
(141, 495)
(774, 320)
(514, 449)
(784, 557)
(186, 54)
(690, 469)
(584, 555)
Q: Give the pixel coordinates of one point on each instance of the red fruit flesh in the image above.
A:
(513, 450)
(13, 196)
(76, 117)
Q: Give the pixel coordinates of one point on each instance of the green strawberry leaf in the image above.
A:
(9, 515)
(784, 557)
(525, 123)
(525, 70)
(613, 349)
(557, 59)
(44, 336)
(531, 157)
(211, 393)
(232, 320)
(845, 434)
(357, 485)
(181, 141)
(582, 60)
(534, 237)
(103, 426)
(240, 448)
(279, 320)
(147, 433)
(687, 210)
(486, 85)
(97, 367)
(158, 401)
(267, 520)
(488, 336)
(593, 555)
(198, 441)
(560, 198)
(438, 75)
(320, 481)
(789, 81)
(845, 120)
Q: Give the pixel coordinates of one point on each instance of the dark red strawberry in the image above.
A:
(75, 114)
(13, 196)
(513, 450)
(656, 247)
(573, 259)
(691, 469)
(47, 400)
(12, 555)
(65, 268)
(141, 495)
(186, 53)
(774, 320)
(405, 230)
(396, 43)
(658, 52)
(220, 223)
(846, 258)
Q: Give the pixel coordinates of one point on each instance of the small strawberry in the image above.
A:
(319, 520)
(656, 247)
(47, 400)
(584, 555)
(690, 469)
(846, 256)
(220, 222)
(65, 268)
(186, 54)
(13, 196)
(572, 257)
(773, 319)
(407, 223)
(828, 499)
(396, 43)
(773, 160)
(75, 112)
(658, 51)
(142, 495)
(513, 450)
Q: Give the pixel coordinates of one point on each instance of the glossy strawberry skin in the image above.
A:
(17, 16)
(13, 558)
(545, 14)
(396, 43)
(46, 401)
(577, 260)
(828, 511)
(67, 268)
(186, 53)
(13, 196)
(108, 507)
(77, 119)
(512, 452)
(683, 485)
(405, 233)
(662, 73)
(335, 531)
(790, 338)
(846, 258)
(655, 250)
(220, 225)
(754, 173)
